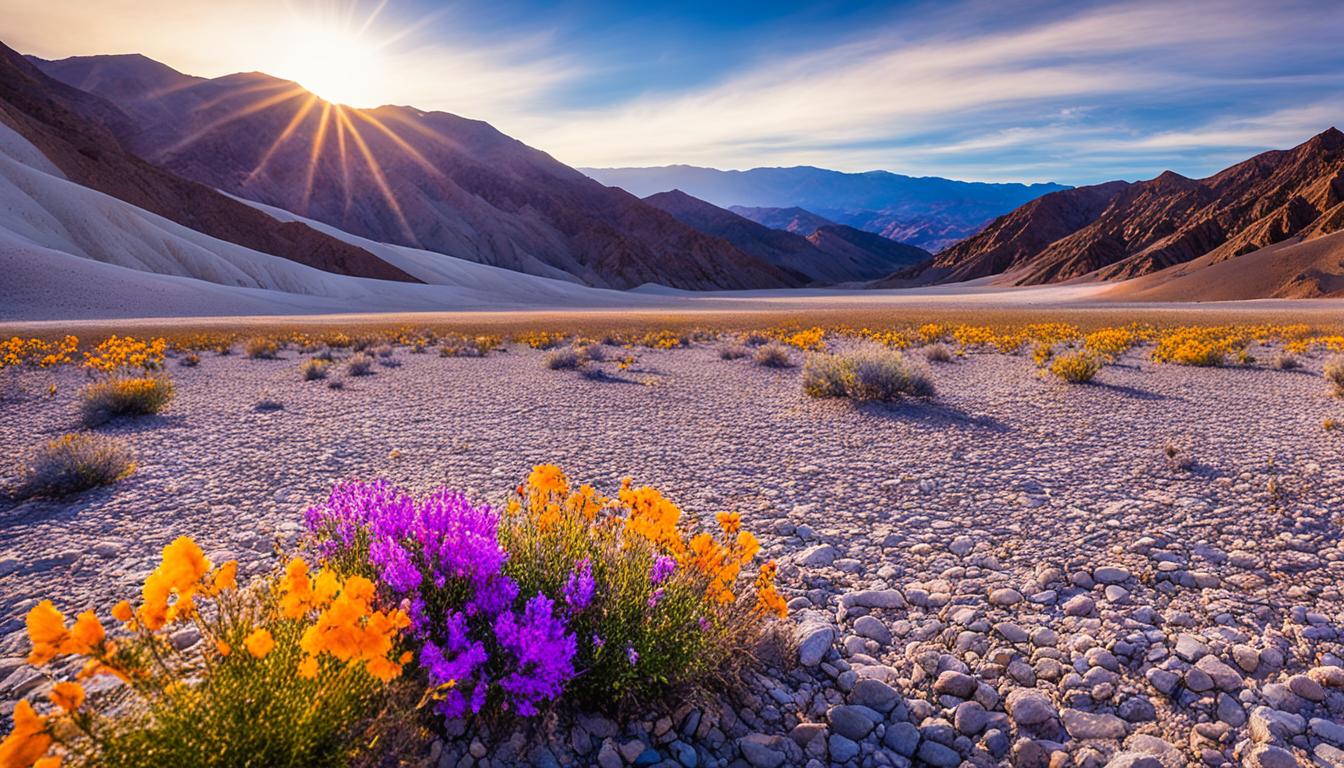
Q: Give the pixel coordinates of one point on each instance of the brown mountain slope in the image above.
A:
(796, 220)
(1014, 238)
(78, 133)
(396, 174)
(1118, 230)
(1291, 269)
(831, 254)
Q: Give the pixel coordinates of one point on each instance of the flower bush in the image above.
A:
(565, 594)
(867, 373)
(1333, 370)
(16, 352)
(103, 401)
(126, 354)
(1076, 367)
(284, 673)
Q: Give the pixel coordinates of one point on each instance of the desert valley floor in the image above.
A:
(1019, 562)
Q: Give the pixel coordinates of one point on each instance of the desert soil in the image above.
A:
(1013, 573)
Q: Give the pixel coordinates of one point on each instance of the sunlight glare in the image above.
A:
(333, 61)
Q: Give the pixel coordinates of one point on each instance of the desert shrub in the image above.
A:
(325, 354)
(1042, 354)
(1334, 375)
(336, 384)
(938, 353)
(389, 362)
(1177, 456)
(261, 348)
(867, 373)
(102, 401)
(593, 352)
(755, 339)
(808, 340)
(190, 360)
(475, 346)
(541, 339)
(1075, 367)
(289, 671)
(383, 350)
(566, 594)
(1329, 424)
(1111, 343)
(773, 355)
(268, 404)
(1285, 361)
(37, 353)
(359, 364)
(565, 358)
(314, 368)
(75, 462)
(734, 352)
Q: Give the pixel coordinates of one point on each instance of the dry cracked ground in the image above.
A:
(1016, 572)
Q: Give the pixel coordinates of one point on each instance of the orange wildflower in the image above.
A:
(68, 696)
(259, 642)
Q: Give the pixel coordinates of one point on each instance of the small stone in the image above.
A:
(1005, 596)
(1111, 574)
(874, 694)
(761, 750)
(874, 598)
(1079, 605)
(970, 717)
(1269, 756)
(872, 628)
(842, 749)
(1190, 648)
(1090, 725)
(1272, 725)
(901, 738)
(1029, 706)
(814, 640)
(851, 721)
(1306, 688)
(1011, 632)
(933, 753)
(955, 683)
(818, 556)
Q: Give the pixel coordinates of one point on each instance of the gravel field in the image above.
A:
(1013, 573)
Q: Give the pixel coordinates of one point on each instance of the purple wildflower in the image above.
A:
(598, 642)
(656, 597)
(662, 568)
(544, 650)
(632, 655)
(398, 571)
(579, 588)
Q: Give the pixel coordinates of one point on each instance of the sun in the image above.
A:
(338, 63)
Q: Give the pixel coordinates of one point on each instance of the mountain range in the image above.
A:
(928, 212)
(428, 180)
(1173, 226)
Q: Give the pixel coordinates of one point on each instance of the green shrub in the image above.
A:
(868, 373)
(773, 355)
(75, 462)
(1076, 367)
(103, 401)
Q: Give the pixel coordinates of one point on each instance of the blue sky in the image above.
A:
(1074, 92)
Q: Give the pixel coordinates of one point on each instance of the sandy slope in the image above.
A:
(71, 252)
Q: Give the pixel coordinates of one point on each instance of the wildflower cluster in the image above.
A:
(126, 353)
(566, 593)
(291, 649)
(15, 352)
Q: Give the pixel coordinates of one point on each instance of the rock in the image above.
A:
(842, 749)
(933, 753)
(1079, 605)
(1190, 648)
(1222, 675)
(631, 750)
(852, 721)
(1273, 725)
(1307, 688)
(803, 733)
(761, 750)
(872, 628)
(1011, 632)
(1163, 680)
(901, 738)
(1329, 730)
(875, 695)
(970, 717)
(1246, 657)
(1091, 725)
(814, 641)
(608, 757)
(874, 598)
(818, 556)
(1030, 754)
(1029, 706)
(1137, 709)
(1330, 677)
(1133, 760)
(1269, 756)
(1165, 752)
(1230, 711)
(1005, 596)
(955, 683)
(1111, 574)
(1328, 756)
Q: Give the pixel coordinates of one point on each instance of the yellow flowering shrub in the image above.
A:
(15, 352)
(119, 353)
(285, 672)
(670, 603)
(118, 396)
(808, 340)
(1075, 367)
(973, 335)
(541, 339)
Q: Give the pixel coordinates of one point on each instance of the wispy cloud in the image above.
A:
(1068, 91)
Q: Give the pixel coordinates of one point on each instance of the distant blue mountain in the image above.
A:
(926, 211)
